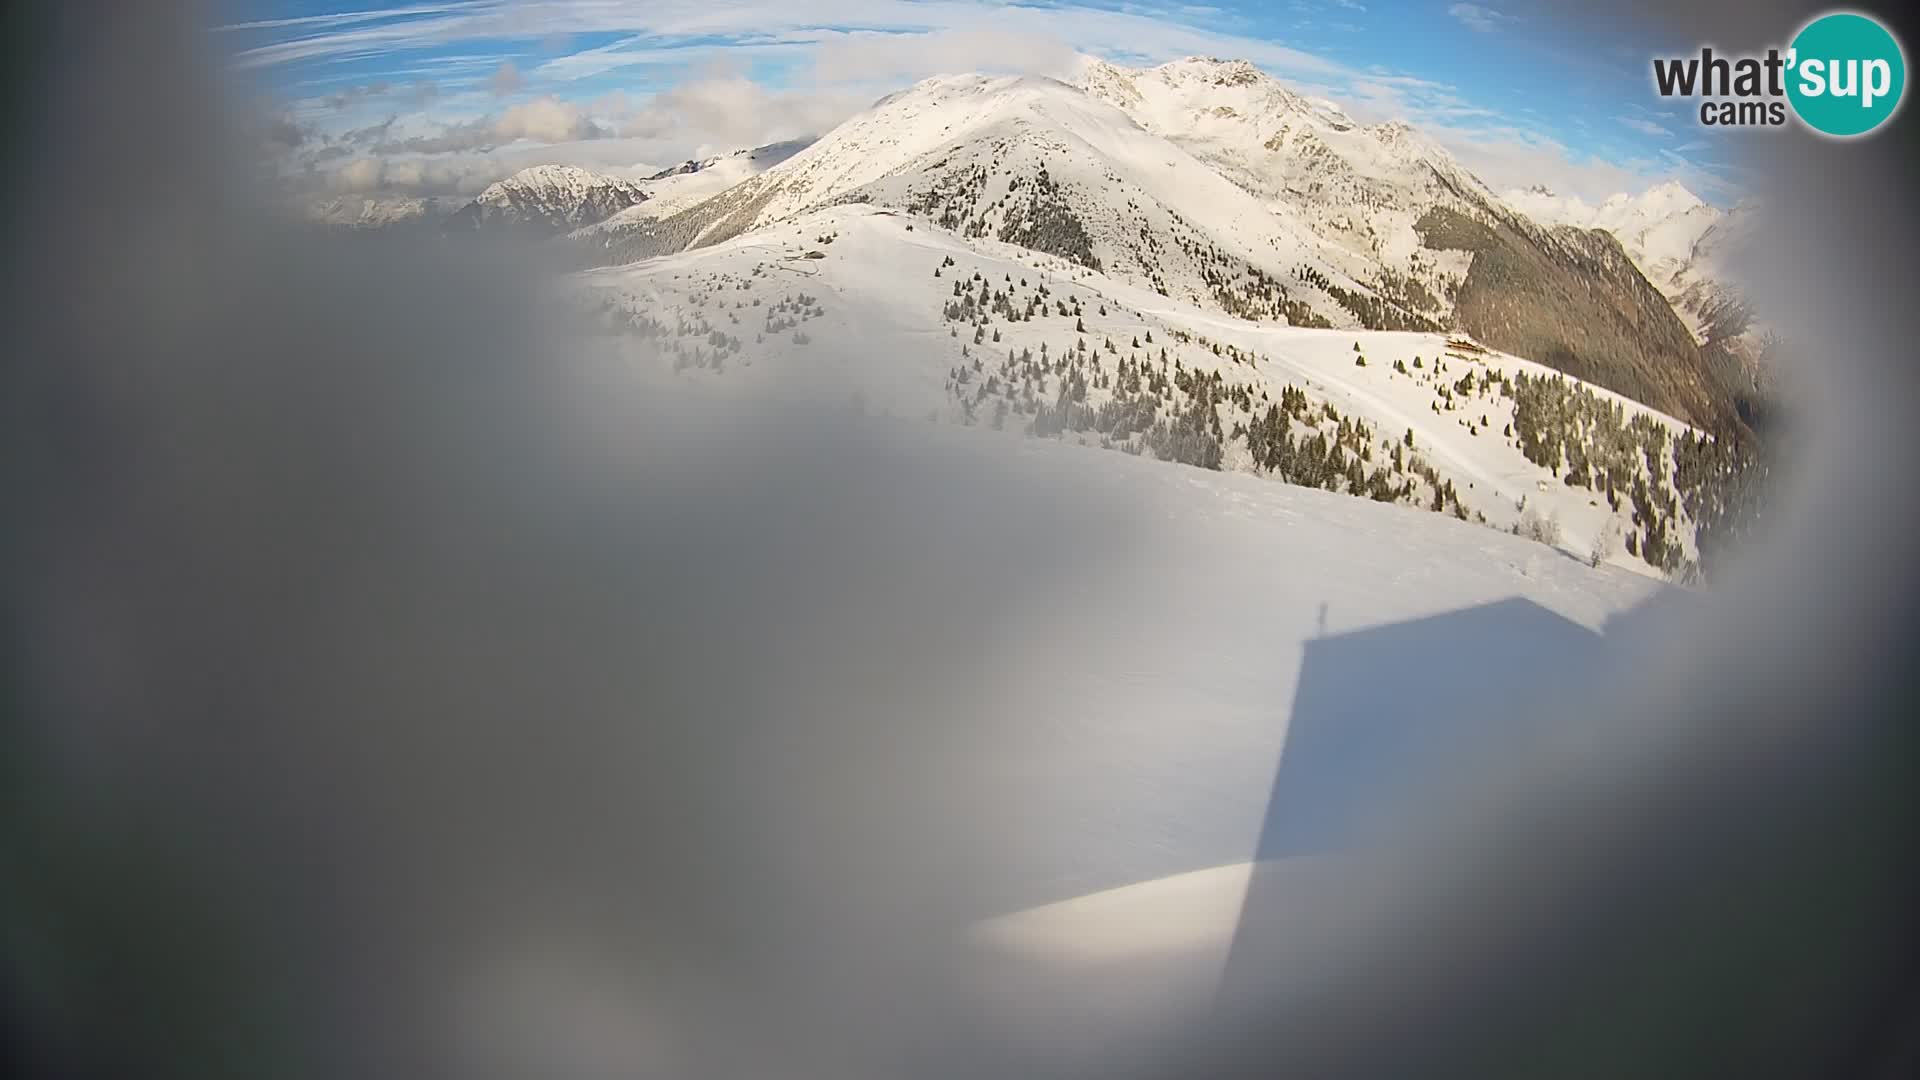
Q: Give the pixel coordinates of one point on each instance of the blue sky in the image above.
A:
(443, 95)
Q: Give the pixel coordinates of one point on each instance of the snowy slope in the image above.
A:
(1358, 188)
(1114, 697)
(690, 183)
(855, 301)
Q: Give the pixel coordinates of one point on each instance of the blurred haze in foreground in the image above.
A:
(392, 693)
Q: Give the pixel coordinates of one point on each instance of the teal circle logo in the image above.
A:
(1846, 74)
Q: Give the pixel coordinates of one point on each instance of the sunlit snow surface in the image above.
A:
(1264, 682)
(880, 336)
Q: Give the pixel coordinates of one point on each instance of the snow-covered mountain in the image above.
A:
(1658, 227)
(549, 198)
(1706, 291)
(691, 182)
(1394, 209)
(1210, 183)
(1029, 160)
(1704, 286)
(871, 303)
(1056, 167)
(1359, 189)
(1689, 250)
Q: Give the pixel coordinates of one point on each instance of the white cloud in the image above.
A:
(1509, 157)
(868, 56)
(336, 19)
(722, 110)
(406, 33)
(840, 71)
(347, 97)
(1483, 19)
(639, 51)
(666, 31)
(505, 79)
(545, 119)
(276, 132)
(446, 175)
(360, 174)
(832, 73)
(1422, 102)
(1644, 126)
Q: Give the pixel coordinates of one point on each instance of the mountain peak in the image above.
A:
(688, 166)
(1218, 71)
(1213, 184)
(1674, 194)
(550, 197)
(550, 174)
(553, 179)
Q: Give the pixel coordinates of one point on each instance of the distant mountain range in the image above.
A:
(549, 199)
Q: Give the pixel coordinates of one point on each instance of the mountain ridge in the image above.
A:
(548, 198)
(1207, 181)
(1376, 196)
